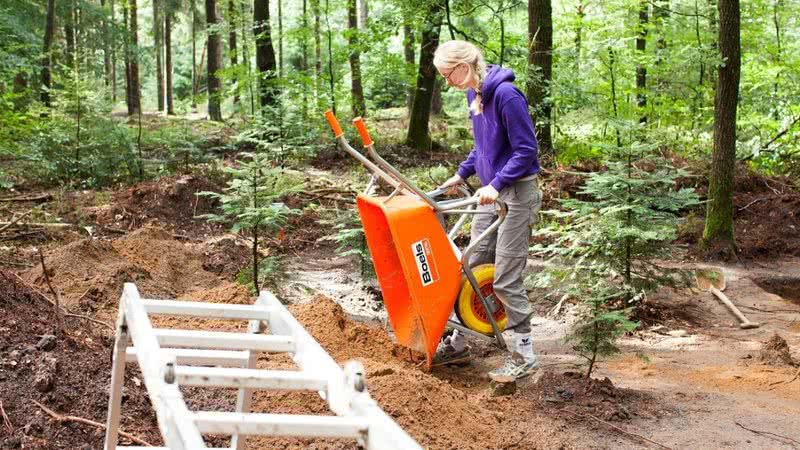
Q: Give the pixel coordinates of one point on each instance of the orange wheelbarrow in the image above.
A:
(424, 277)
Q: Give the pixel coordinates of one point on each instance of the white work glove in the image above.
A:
(487, 195)
(452, 183)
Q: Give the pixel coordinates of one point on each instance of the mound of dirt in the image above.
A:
(69, 375)
(436, 413)
(766, 215)
(89, 273)
(226, 256)
(776, 352)
(344, 338)
(170, 201)
(577, 394)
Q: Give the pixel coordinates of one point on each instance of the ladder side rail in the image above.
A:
(117, 381)
(174, 418)
(342, 396)
(244, 396)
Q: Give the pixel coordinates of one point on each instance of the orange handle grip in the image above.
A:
(362, 130)
(334, 123)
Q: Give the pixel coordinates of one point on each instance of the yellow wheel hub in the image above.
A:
(469, 308)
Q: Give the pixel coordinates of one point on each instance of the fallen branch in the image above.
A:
(796, 376)
(21, 234)
(782, 132)
(15, 263)
(13, 221)
(63, 418)
(39, 224)
(34, 198)
(6, 421)
(752, 203)
(57, 304)
(616, 428)
(66, 313)
(796, 311)
(768, 434)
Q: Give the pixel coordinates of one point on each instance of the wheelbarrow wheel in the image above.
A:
(469, 309)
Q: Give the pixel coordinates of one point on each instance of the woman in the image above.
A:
(505, 159)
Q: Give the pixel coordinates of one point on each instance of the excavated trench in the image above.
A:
(788, 288)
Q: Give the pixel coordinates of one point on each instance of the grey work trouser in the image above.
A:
(508, 248)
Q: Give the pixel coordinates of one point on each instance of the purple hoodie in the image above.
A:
(505, 143)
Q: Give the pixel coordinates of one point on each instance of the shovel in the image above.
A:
(713, 280)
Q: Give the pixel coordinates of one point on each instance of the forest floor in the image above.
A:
(688, 378)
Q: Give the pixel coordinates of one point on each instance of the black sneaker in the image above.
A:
(447, 355)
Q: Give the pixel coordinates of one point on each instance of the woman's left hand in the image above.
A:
(487, 195)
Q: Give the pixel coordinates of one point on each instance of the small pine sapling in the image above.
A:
(606, 246)
(251, 203)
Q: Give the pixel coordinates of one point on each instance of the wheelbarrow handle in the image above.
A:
(334, 124)
(363, 132)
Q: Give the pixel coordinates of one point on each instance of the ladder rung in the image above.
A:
(280, 425)
(249, 378)
(201, 309)
(226, 358)
(225, 341)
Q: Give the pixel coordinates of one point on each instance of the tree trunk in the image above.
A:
(136, 92)
(437, 105)
(317, 49)
(246, 61)
(232, 46)
(195, 82)
(641, 71)
(214, 61)
(280, 38)
(540, 65)
(329, 38)
(363, 13)
(127, 56)
(113, 56)
(265, 53)
(776, 21)
(69, 35)
(158, 27)
(304, 60)
(718, 235)
(358, 104)
(49, 30)
(418, 133)
(408, 53)
(106, 50)
(168, 50)
(581, 13)
(661, 15)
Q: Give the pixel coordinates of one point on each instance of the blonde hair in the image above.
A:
(452, 53)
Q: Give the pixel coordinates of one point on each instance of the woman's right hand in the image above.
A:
(452, 184)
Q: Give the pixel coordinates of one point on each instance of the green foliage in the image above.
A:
(349, 236)
(600, 325)
(77, 143)
(270, 271)
(251, 202)
(606, 245)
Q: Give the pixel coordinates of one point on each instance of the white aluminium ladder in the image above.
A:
(170, 358)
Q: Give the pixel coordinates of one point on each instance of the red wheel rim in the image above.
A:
(487, 289)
